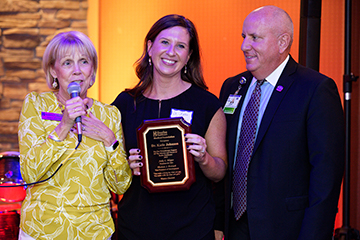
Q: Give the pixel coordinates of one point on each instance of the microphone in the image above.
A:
(74, 91)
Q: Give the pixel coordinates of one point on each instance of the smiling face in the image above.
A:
(73, 66)
(266, 40)
(169, 52)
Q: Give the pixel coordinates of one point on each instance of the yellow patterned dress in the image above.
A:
(74, 204)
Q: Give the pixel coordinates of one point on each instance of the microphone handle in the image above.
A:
(77, 119)
(78, 125)
(74, 94)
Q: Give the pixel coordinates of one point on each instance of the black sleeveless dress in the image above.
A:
(171, 215)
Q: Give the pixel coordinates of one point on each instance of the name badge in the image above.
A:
(51, 116)
(231, 104)
(186, 115)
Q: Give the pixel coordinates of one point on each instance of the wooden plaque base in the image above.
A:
(167, 164)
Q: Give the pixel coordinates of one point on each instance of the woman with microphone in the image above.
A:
(87, 157)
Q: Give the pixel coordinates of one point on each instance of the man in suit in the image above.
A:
(293, 178)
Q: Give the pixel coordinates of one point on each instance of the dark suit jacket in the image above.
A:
(296, 169)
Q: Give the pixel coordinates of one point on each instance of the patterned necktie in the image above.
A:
(244, 151)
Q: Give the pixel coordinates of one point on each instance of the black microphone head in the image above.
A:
(74, 87)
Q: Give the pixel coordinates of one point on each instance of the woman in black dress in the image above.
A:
(172, 85)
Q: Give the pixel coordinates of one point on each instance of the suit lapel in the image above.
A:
(276, 98)
(233, 123)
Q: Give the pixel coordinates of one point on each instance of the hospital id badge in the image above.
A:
(231, 104)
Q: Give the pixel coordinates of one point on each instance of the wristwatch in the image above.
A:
(113, 146)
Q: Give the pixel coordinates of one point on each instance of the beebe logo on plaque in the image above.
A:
(167, 164)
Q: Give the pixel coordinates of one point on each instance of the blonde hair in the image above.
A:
(63, 43)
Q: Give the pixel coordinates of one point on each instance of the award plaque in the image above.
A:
(167, 164)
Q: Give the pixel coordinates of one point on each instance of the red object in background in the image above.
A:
(12, 194)
(10, 197)
(9, 176)
(9, 225)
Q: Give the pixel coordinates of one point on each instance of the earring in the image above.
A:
(150, 61)
(55, 84)
(185, 70)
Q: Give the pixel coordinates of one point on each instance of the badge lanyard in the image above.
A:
(233, 100)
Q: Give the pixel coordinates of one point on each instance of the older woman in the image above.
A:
(171, 79)
(74, 203)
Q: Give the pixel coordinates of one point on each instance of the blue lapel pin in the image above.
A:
(242, 81)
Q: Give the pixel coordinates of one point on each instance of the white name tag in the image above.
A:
(231, 104)
(187, 115)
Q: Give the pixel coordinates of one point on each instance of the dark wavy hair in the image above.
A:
(144, 71)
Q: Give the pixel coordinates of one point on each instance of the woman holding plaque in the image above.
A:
(72, 168)
(171, 85)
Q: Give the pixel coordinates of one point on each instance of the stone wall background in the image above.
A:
(26, 27)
